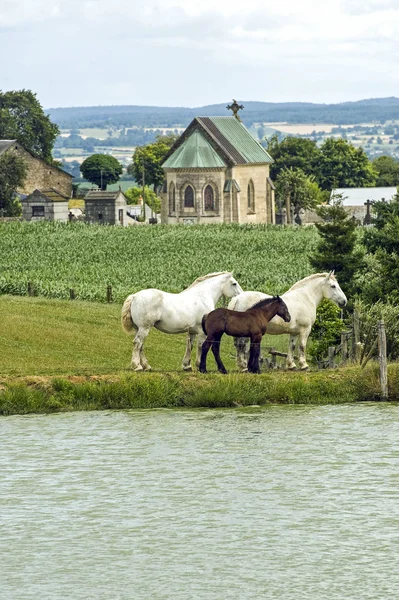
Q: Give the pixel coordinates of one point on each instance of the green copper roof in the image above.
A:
(238, 136)
(194, 152)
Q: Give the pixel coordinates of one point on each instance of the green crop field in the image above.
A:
(56, 257)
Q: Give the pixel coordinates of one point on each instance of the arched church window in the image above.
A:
(251, 197)
(189, 197)
(209, 198)
(172, 197)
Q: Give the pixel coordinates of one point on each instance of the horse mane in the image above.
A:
(305, 280)
(263, 302)
(208, 276)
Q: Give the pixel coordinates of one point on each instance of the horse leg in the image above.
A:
(241, 345)
(254, 352)
(143, 359)
(290, 363)
(187, 357)
(138, 344)
(200, 340)
(205, 349)
(303, 338)
(216, 353)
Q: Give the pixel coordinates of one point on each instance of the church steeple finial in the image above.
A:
(235, 107)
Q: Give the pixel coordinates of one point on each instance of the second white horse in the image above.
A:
(302, 300)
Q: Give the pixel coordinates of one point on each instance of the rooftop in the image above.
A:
(102, 194)
(216, 141)
(50, 194)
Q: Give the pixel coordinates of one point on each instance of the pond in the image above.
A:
(278, 502)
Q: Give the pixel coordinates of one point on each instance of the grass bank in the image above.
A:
(173, 390)
(60, 355)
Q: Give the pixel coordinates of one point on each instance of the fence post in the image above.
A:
(355, 336)
(331, 356)
(273, 360)
(30, 289)
(72, 295)
(344, 347)
(109, 293)
(382, 357)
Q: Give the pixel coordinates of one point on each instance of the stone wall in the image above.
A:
(263, 210)
(230, 207)
(100, 211)
(40, 175)
(52, 211)
(198, 179)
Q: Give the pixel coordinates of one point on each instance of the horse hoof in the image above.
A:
(244, 370)
(305, 368)
(147, 368)
(139, 368)
(187, 368)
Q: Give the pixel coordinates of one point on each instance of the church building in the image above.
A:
(216, 172)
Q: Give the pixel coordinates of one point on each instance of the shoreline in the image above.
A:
(65, 393)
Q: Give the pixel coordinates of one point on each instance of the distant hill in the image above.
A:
(363, 111)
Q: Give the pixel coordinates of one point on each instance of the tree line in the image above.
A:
(364, 111)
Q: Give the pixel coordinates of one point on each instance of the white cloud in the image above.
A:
(189, 52)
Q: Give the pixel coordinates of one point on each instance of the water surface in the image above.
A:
(282, 502)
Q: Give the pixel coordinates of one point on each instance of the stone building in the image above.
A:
(45, 205)
(106, 208)
(40, 175)
(216, 172)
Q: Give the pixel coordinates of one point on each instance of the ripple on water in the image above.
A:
(281, 502)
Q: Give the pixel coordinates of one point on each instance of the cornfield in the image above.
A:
(57, 257)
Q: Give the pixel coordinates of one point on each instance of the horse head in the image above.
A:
(282, 310)
(333, 292)
(231, 287)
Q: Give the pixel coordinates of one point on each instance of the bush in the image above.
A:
(327, 329)
(369, 315)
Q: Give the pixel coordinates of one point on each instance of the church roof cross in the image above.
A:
(235, 107)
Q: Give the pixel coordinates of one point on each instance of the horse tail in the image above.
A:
(127, 321)
(203, 324)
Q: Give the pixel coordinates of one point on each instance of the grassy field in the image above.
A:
(56, 257)
(60, 355)
(61, 337)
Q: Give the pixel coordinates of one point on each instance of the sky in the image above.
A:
(198, 52)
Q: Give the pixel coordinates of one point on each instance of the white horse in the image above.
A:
(175, 313)
(302, 300)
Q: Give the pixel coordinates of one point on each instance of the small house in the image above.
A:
(45, 205)
(106, 207)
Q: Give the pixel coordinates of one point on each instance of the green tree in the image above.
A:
(135, 194)
(12, 176)
(292, 152)
(337, 249)
(381, 280)
(342, 165)
(387, 169)
(150, 158)
(303, 191)
(101, 169)
(22, 118)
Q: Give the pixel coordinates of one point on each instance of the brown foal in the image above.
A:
(252, 323)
